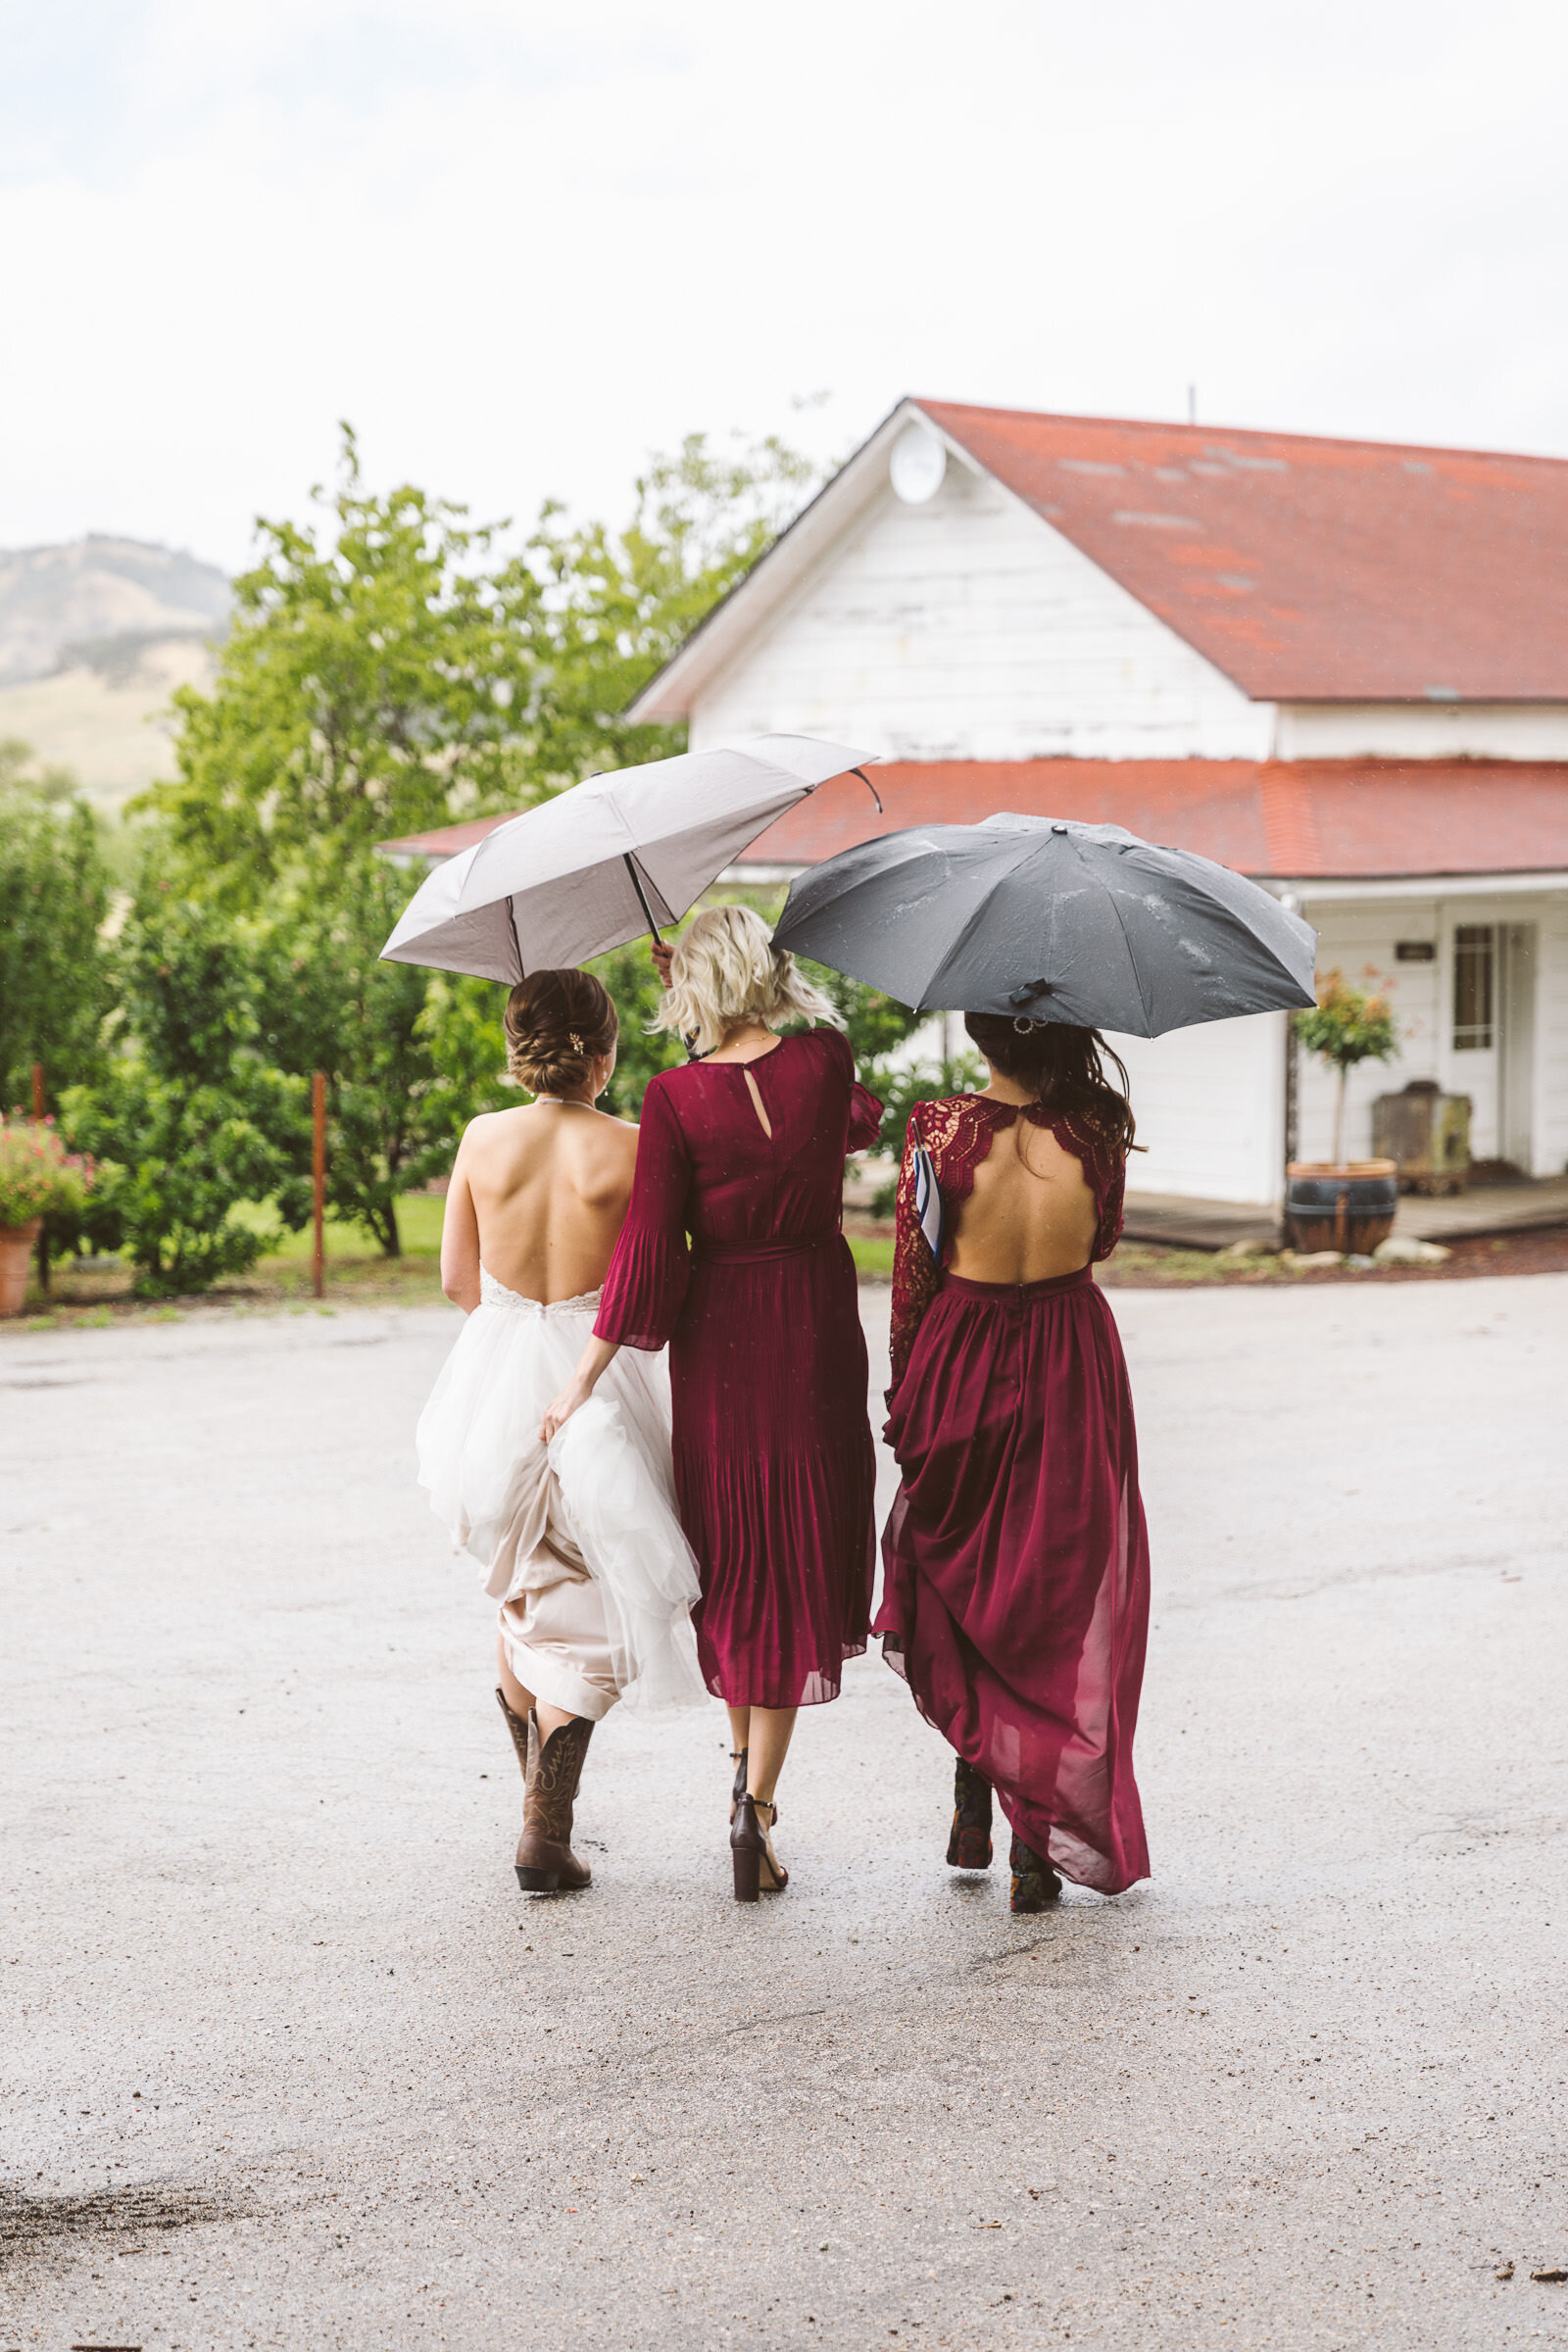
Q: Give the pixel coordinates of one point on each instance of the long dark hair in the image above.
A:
(1062, 1067)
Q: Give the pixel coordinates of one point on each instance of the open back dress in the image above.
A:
(733, 1252)
(1015, 1595)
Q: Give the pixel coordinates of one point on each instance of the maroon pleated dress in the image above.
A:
(1015, 1598)
(732, 1252)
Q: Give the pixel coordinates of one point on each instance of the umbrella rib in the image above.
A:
(1138, 977)
(977, 914)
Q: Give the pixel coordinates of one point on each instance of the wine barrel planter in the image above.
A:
(16, 1248)
(1350, 1209)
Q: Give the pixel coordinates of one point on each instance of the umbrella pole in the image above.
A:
(642, 895)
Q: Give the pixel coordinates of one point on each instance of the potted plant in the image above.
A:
(1338, 1204)
(38, 1174)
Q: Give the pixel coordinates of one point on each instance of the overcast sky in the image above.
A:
(518, 246)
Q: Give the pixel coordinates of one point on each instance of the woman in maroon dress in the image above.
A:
(732, 1252)
(1015, 1599)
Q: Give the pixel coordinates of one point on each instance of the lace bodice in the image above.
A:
(512, 1303)
(959, 1133)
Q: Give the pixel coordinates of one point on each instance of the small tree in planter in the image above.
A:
(1348, 1025)
(37, 1176)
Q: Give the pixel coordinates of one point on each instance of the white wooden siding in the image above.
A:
(1210, 1107)
(1421, 731)
(970, 629)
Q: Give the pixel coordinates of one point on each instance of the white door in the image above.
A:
(1492, 1037)
(1475, 1031)
(1516, 1045)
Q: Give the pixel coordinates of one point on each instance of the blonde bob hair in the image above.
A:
(725, 970)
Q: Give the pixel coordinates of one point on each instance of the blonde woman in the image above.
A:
(580, 1543)
(732, 1253)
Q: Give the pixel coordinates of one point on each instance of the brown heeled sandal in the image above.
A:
(738, 1756)
(758, 1869)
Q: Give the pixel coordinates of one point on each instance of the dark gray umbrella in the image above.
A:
(1065, 922)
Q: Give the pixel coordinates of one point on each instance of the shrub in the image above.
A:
(38, 1174)
(1348, 1025)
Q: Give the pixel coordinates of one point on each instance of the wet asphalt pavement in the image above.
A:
(290, 2062)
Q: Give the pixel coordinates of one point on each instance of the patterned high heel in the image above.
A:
(1034, 1883)
(758, 1869)
(969, 1842)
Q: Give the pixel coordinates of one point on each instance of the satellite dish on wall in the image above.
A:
(917, 465)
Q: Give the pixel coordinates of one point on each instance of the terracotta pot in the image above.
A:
(15, 1250)
(1346, 1208)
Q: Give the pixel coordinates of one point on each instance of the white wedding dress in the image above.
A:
(581, 1544)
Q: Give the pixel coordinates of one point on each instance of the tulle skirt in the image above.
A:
(581, 1546)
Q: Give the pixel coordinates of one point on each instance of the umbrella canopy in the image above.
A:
(1061, 921)
(616, 856)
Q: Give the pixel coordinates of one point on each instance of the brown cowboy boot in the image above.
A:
(550, 1771)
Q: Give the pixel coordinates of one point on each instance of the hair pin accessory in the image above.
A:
(577, 1044)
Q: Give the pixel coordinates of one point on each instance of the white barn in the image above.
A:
(1341, 667)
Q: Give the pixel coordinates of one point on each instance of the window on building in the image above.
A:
(1475, 976)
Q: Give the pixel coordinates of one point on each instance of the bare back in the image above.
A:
(539, 1196)
(1032, 1214)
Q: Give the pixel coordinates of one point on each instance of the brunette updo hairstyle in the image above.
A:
(1062, 1067)
(556, 1023)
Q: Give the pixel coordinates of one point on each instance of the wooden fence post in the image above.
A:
(43, 1235)
(319, 1180)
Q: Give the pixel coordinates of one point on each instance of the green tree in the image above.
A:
(411, 1056)
(381, 674)
(54, 897)
(191, 1119)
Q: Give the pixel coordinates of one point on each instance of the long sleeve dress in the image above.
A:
(732, 1252)
(1015, 1599)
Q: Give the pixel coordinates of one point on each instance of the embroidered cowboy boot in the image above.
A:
(550, 1771)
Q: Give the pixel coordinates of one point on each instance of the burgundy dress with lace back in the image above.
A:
(1015, 1598)
(732, 1252)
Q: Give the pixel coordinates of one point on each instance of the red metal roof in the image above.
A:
(445, 841)
(1290, 819)
(1309, 571)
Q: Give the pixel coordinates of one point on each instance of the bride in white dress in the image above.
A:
(580, 1540)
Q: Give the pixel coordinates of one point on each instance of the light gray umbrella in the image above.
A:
(1061, 921)
(611, 858)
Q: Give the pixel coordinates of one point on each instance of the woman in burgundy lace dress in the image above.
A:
(1016, 1591)
(732, 1252)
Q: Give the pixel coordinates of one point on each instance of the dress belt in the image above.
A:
(758, 1253)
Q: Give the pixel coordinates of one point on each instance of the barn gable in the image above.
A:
(968, 628)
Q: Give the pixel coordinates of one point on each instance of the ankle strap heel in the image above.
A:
(758, 1869)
